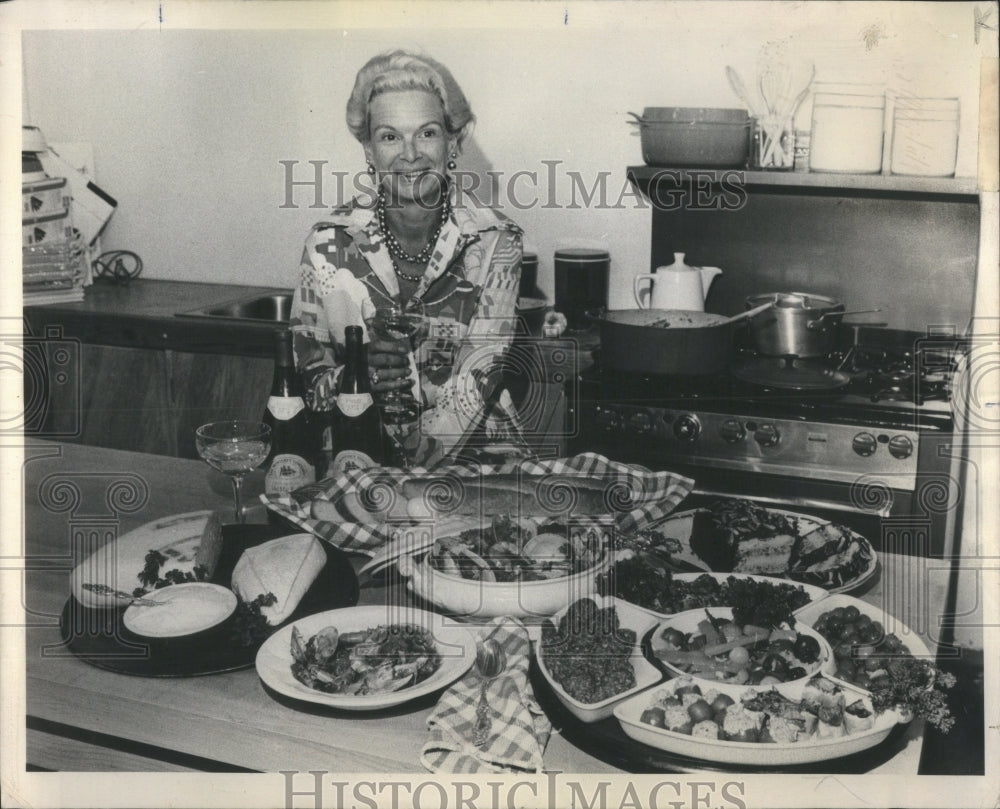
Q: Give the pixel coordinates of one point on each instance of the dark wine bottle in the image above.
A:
(356, 428)
(291, 462)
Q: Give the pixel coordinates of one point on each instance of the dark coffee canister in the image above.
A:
(581, 276)
(529, 276)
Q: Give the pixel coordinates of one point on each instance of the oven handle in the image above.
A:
(803, 502)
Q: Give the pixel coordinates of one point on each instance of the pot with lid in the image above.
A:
(799, 324)
(664, 341)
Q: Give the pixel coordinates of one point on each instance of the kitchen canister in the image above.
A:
(925, 137)
(581, 276)
(848, 128)
(529, 276)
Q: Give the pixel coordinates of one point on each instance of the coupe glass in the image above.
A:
(234, 448)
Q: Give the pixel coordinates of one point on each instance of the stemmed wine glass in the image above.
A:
(393, 321)
(234, 448)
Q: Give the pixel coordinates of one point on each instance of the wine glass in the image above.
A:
(393, 321)
(234, 448)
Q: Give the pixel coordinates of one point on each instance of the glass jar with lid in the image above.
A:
(925, 137)
(848, 128)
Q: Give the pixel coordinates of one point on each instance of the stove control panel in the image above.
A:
(817, 450)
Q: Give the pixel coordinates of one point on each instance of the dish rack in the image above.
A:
(54, 271)
(54, 256)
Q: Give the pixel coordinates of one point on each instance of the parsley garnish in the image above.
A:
(150, 574)
(249, 626)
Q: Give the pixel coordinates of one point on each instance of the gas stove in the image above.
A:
(864, 410)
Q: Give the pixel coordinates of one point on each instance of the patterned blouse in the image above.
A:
(469, 292)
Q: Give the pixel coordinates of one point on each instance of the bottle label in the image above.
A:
(348, 459)
(353, 405)
(285, 408)
(287, 473)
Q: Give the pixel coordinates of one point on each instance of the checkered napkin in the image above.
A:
(519, 730)
(653, 495)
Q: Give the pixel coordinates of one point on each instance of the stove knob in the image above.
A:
(687, 427)
(640, 422)
(607, 419)
(900, 447)
(732, 431)
(864, 444)
(767, 435)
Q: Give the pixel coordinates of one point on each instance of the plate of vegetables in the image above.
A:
(709, 645)
(875, 652)
(812, 720)
(360, 659)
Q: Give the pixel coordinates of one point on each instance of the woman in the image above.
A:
(415, 242)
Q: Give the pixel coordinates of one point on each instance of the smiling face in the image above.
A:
(409, 144)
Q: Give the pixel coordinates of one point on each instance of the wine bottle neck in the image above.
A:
(285, 381)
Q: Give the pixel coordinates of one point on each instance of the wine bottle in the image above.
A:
(291, 462)
(356, 427)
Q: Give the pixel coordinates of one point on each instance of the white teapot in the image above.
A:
(676, 286)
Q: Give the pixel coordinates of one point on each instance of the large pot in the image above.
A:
(799, 324)
(664, 341)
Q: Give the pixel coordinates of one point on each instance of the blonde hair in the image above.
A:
(403, 70)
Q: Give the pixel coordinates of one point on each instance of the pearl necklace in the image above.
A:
(396, 249)
(404, 275)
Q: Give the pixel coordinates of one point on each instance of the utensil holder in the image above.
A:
(773, 144)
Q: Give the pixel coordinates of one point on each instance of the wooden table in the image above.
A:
(83, 718)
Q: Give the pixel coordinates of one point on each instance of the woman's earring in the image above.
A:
(452, 165)
(371, 168)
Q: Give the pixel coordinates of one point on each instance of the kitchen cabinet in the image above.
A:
(212, 387)
(149, 400)
(121, 370)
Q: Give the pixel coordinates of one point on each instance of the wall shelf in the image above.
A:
(808, 182)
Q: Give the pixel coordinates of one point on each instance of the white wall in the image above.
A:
(189, 126)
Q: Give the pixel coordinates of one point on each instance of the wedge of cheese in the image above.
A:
(286, 567)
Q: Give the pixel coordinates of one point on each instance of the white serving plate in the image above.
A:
(646, 674)
(815, 593)
(455, 644)
(181, 610)
(755, 754)
(679, 526)
(687, 622)
(117, 564)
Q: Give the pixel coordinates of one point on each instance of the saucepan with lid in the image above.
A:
(798, 324)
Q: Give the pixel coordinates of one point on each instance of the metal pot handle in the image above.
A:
(815, 324)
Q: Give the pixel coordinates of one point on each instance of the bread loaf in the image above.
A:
(525, 495)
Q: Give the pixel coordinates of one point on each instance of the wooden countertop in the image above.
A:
(87, 719)
(144, 314)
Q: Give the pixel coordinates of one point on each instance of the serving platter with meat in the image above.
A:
(737, 535)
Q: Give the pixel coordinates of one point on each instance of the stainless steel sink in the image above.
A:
(271, 308)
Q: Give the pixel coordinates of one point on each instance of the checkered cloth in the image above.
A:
(519, 730)
(653, 494)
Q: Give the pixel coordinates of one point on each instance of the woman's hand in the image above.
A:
(389, 365)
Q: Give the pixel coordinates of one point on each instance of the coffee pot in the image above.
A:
(676, 286)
